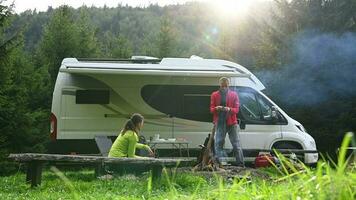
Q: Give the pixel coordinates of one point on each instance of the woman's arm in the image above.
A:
(133, 144)
(146, 147)
(142, 146)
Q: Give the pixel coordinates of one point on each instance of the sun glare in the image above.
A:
(233, 7)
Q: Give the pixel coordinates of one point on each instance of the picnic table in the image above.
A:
(177, 144)
(36, 161)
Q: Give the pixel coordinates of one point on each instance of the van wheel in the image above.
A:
(289, 145)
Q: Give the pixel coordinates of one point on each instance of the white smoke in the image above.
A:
(323, 67)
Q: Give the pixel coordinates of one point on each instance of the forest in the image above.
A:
(304, 51)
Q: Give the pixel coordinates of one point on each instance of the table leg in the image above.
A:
(99, 169)
(156, 171)
(34, 173)
(180, 150)
(188, 150)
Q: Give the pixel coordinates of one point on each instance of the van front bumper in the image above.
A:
(311, 158)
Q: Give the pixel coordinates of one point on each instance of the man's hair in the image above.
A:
(224, 79)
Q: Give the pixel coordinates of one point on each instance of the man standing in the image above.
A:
(224, 106)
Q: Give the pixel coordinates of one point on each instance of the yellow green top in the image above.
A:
(125, 145)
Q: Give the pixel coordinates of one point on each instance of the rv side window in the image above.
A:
(183, 101)
(196, 107)
(266, 108)
(92, 97)
(256, 109)
(249, 107)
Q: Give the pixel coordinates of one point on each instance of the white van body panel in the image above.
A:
(125, 82)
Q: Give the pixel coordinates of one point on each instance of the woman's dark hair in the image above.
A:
(132, 123)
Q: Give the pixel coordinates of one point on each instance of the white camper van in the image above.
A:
(95, 97)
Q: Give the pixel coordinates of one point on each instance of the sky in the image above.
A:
(42, 5)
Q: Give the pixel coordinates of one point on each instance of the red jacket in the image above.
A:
(232, 101)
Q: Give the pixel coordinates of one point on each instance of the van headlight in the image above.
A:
(312, 143)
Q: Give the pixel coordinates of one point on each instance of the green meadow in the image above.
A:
(328, 180)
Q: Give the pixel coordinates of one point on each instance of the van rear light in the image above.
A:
(53, 128)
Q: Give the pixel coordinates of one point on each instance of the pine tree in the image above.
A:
(60, 40)
(87, 41)
(116, 46)
(21, 120)
(166, 39)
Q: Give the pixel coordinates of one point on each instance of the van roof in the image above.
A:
(194, 66)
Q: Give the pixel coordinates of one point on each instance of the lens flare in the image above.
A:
(229, 8)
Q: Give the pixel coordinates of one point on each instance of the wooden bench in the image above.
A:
(35, 163)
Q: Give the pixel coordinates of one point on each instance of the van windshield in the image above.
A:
(255, 108)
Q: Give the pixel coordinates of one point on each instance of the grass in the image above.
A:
(327, 181)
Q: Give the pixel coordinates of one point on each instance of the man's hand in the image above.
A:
(218, 108)
(227, 109)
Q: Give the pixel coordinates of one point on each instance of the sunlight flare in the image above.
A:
(233, 7)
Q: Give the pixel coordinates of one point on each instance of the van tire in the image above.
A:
(289, 145)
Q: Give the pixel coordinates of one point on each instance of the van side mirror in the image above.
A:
(242, 124)
(274, 113)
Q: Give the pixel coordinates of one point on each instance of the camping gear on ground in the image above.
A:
(264, 160)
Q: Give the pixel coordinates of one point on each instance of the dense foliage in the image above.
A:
(303, 50)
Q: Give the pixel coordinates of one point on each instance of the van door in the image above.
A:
(67, 96)
(256, 113)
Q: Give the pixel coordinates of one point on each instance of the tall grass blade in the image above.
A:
(66, 181)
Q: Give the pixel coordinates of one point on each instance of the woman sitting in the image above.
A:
(126, 143)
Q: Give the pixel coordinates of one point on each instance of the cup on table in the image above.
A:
(156, 137)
